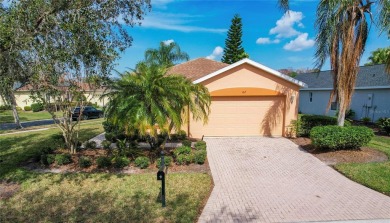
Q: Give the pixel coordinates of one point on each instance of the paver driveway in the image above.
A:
(272, 180)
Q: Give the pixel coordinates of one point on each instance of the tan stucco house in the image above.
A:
(248, 99)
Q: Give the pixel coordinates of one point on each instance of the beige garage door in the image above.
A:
(243, 116)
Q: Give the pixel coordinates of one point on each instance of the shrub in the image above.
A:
(200, 145)
(85, 162)
(62, 159)
(336, 137)
(120, 161)
(106, 144)
(187, 143)
(305, 123)
(174, 137)
(110, 137)
(200, 156)
(182, 135)
(27, 108)
(90, 145)
(167, 161)
(47, 159)
(5, 107)
(384, 124)
(182, 150)
(142, 162)
(18, 108)
(103, 162)
(184, 159)
(366, 120)
(36, 107)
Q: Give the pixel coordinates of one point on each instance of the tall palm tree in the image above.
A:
(379, 56)
(343, 27)
(148, 101)
(166, 54)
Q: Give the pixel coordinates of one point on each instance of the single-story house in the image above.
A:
(371, 97)
(23, 96)
(247, 98)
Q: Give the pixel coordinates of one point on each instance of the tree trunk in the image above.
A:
(342, 110)
(14, 111)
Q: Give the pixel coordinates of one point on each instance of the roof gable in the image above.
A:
(254, 64)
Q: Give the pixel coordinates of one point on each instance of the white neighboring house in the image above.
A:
(370, 99)
(22, 96)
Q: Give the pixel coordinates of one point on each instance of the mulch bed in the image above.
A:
(95, 153)
(362, 155)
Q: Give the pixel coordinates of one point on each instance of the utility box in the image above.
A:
(369, 100)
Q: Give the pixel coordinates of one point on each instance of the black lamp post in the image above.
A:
(161, 176)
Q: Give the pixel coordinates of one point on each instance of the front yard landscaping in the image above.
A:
(368, 165)
(90, 194)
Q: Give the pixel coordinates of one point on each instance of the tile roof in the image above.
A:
(197, 68)
(368, 76)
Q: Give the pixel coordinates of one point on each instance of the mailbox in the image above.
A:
(160, 175)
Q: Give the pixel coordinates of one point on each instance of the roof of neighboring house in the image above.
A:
(84, 86)
(374, 76)
(195, 69)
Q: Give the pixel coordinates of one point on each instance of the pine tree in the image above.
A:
(233, 50)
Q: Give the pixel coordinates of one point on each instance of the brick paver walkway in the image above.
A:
(272, 180)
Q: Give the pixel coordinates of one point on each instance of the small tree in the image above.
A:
(42, 40)
(149, 102)
(166, 55)
(233, 50)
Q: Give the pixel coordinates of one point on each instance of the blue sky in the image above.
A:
(200, 28)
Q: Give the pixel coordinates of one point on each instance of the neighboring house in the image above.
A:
(247, 98)
(22, 96)
(371, 97)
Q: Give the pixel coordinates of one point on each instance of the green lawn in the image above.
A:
(373, 175)
(7, 117)
(98, 197)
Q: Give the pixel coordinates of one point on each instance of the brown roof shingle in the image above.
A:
(198, 68)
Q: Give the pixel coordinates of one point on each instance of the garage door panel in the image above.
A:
(243, 116)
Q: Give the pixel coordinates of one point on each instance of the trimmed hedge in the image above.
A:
(182, 150)
(103, 162)
(200, 156)
(27, 108)
(336, 137)
(305, 123)
(167, 161)
(36, 107)
(142, 162)
(187, 143)
(63, 159)
(200, 145)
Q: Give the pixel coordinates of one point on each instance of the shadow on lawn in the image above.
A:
(96, 206)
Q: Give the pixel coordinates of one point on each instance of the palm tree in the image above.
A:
(379, 56)
(166, 54)
(343, 27)
(150, 102)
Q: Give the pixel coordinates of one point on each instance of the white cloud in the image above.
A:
(266, 41)
(175, 22)
(300, 43)
(169, 41)
(162, 4)
(285, 25)
(217, 52)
